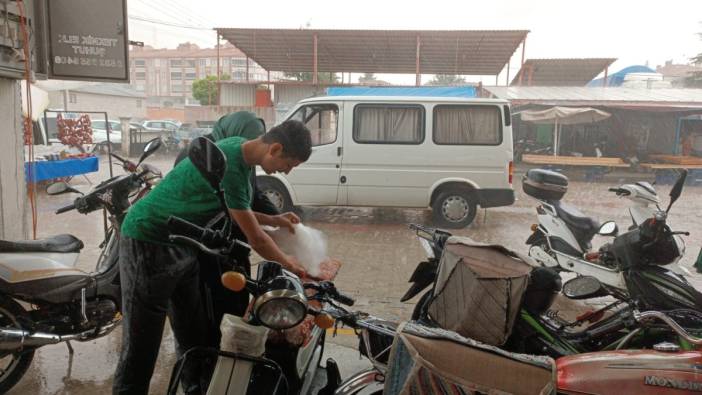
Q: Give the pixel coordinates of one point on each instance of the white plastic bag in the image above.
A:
(307, 244)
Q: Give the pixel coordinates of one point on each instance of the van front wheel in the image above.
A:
(454, 208)
(276, 192)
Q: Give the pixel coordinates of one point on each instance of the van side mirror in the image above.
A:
(609, 228)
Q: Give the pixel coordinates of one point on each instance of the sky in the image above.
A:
(635, 32)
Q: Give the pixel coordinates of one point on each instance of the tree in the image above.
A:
(367, 77)
(205, 90)
(447, 79)
(307, 76)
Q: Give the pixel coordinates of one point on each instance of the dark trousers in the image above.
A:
(157, 281)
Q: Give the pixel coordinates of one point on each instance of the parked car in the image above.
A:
(100, 129)
(450, 154)
(160, 126)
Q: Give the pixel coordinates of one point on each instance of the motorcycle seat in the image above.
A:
(583, 227)
(60, 243)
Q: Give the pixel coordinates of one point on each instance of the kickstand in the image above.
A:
(485, 211)
(70, 359)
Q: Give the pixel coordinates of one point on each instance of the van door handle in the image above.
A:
(343, 179)
(339, 151)
(337, 166)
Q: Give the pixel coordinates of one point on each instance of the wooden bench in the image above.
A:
(662, 166)
(574, 160)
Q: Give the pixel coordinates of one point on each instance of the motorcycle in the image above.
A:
(280, 302)
(562, 238)
(666, 369)
(539, 330)
(67, 303)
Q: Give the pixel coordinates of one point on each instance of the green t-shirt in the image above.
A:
(184, 193)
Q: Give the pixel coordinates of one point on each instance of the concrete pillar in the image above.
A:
(14, 204)
(125, 135)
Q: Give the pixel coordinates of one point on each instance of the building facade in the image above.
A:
(166, 76)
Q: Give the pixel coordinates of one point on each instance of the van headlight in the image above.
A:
(281, 308)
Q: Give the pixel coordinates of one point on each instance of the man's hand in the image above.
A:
(294, 266)
(287, 220)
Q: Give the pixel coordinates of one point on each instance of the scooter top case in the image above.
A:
(640, 372)
(545, 185)
(41, 270)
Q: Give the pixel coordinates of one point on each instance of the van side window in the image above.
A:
(321, 120)
(467, 125)
(388, 124)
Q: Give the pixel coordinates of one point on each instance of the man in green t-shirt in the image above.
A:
(160, 278)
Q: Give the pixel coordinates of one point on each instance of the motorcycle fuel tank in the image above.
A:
(638, 372)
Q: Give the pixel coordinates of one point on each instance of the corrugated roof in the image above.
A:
(612, 96)
(560, 72)
(378, 51)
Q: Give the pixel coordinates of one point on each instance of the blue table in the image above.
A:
(51, 169)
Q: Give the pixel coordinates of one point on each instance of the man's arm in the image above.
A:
(261, 242)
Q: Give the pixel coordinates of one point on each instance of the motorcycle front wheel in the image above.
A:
(13, 364)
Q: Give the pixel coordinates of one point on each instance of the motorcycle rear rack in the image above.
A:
(199, 353)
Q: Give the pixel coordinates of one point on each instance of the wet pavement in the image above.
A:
(379, 253)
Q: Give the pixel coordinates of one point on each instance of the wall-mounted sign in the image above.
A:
(88, 40)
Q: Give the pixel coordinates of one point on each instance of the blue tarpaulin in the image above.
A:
(617, 79)
(427, 91)
(50, 169)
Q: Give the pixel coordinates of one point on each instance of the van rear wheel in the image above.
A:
(276, 192)
(454, 208)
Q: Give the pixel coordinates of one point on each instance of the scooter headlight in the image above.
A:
(281, 308)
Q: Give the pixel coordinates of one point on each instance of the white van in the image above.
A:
(450, 154)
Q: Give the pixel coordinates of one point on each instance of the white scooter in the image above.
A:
(563, 236)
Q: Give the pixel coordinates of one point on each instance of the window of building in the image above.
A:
(140, 75)
(190, 76)
(176, 62)
(138, 103)
(72, 98)
(139, 63)
(203, 62)
(388, 124)
(467, 125)
(176, 75)
(190, 62)
(239, 75)
(238, 62)
(140, 88)
(321, 120)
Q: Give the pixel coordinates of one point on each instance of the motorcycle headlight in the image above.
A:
(281, 308)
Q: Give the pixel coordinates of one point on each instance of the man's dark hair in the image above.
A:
(294, 137)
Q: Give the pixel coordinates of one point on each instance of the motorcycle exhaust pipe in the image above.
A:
(12, 339)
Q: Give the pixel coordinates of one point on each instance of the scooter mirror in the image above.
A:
(677, 188)
(152, 146)
(583, 287)
(609, 228)
(209, 160)
(59, 188)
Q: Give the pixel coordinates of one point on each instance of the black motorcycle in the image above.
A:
(66, 303)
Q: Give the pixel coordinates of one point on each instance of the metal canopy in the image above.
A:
(378, 51)
(560, 72)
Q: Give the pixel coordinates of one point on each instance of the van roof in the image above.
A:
(414, 99)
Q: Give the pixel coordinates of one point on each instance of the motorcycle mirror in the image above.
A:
(583, 287)
(677, 188)
(609, 228)
(59, 188)
(209, 160)
(150, 147)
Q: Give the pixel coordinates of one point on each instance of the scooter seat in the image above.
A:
(59, 243)
(583, 227)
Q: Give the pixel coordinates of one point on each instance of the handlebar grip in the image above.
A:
(343, 299)
(613, 190)
(66, 208)
(179, 226)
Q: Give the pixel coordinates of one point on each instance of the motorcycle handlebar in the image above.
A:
(619, 191)
(66, 208)
(642, 316)
(193, 243)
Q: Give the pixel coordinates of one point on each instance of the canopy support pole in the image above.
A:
(555, 138)
(418, 71)
(314, 60)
